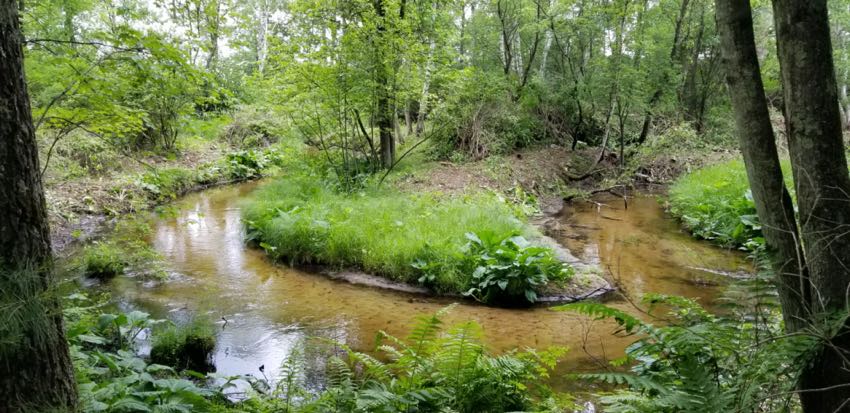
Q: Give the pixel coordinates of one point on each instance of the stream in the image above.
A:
(271, 309)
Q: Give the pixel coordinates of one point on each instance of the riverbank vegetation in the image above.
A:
(448, 244)
(397, 131)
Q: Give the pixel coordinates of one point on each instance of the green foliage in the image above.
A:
(168, 183)
(103, 260)
(110, 375)
(715, 203)
(436, 369)
(253, 127)
(246, 164)
(700, 362)
(510, 269)
(409, 238)
(479, 118)
(183, 347)
(124, 250)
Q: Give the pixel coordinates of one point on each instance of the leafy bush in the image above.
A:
(252, 127)
(701, 362)
(167, 183)
(246, 164)
(715, 203)
(102, 260)
(184, 347)
(409, 238)
(111, 376)
(509, 269)
(479, 118)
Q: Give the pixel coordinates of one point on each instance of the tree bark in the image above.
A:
(35, 367)
(758, 147)
(822, 182)
(384, 108)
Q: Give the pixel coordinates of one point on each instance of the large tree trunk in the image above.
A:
(35, 368)
(823, 185)
(758, 146)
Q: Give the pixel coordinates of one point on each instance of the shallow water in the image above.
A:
(272, 309)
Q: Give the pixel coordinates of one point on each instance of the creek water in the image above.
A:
(271, 309)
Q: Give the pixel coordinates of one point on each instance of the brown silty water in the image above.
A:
(271, 309)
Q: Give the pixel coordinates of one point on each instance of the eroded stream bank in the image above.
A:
(271, 310)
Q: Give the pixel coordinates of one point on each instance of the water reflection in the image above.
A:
(271, 310)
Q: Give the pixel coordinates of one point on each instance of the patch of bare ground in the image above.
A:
(79, 207)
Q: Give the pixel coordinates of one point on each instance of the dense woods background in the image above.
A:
(117, 106)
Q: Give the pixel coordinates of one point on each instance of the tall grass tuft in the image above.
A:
(715, 203)
(304, 220)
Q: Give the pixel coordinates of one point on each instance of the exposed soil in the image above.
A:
(80, 208)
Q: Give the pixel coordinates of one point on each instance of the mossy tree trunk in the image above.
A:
(822, 183)
(35, 368)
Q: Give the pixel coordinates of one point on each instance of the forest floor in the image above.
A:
(549, 172)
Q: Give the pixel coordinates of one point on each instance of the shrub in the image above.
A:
(167, 183)
(103, 260)
(252, 127)
(111, 376)
(479, 118)
(246, 164)
(509, 269)
(184, 347)
(742, 361)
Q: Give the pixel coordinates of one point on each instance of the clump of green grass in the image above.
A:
(413, 238)
(715, 203)
(185, 347)
(102, 260)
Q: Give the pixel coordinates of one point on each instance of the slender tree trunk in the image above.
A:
(758, 147)
(262, 34)
(35, 368)
(426, 84)
(822, 181)
(659, 92)
(408, 117)
(691, 93)
(69, 10)
(543, 60)
(384, 108)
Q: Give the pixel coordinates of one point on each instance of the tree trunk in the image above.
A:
(426, 84)
(758, 147)
(264, 13)
(35, 368)
(823, 185)
(384, 108)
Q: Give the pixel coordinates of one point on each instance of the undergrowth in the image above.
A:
(187, 346)
(715, 203)
(125, 250)
(696, 361)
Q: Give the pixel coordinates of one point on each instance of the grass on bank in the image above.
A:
(422, 238)
(715, 203)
